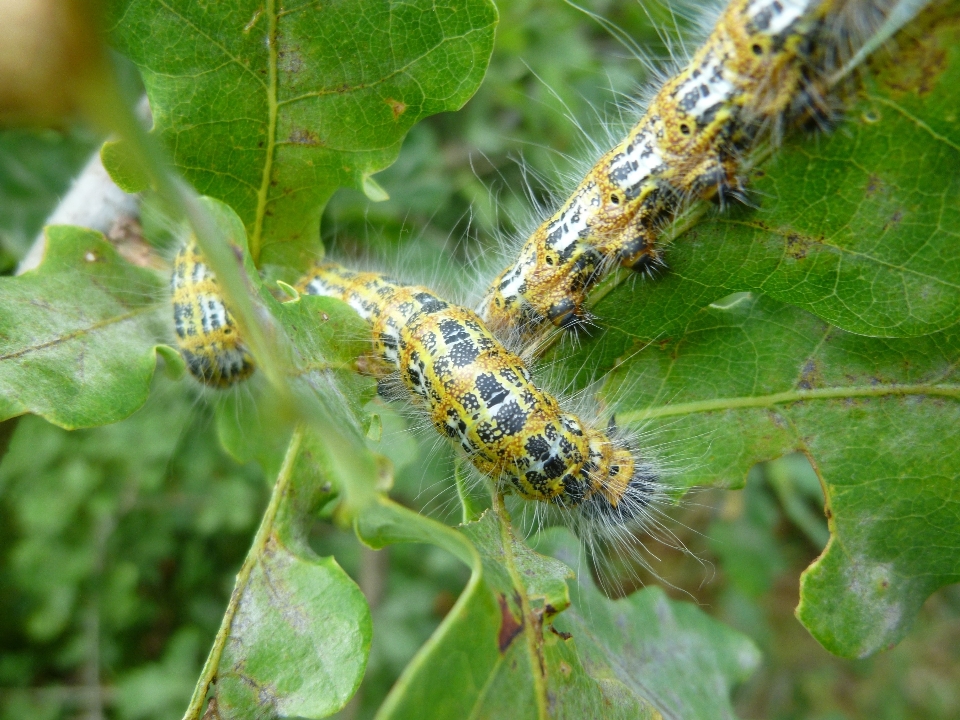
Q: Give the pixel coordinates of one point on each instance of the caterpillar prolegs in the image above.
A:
(765, 63)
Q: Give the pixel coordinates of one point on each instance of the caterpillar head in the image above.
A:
(624, 494)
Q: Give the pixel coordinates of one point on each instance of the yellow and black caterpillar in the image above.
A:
(765, 63)
(475, 391)
(482, 396)
(206, 334)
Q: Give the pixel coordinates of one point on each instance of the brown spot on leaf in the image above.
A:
(213, 712)
(917, 65)
(798, 245)
(510, 627)
(398, 107)
(560, 634)
(443, 603)
(565, 669)
(828, 512)
(305, 137)
(894, 219)
(874, 184)
(777, 420)
(810, 376)
(290, 61)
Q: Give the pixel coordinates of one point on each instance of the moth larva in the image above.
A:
(482, 396)
(764, 64)
(207, 337)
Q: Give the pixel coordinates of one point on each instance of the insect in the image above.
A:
(206, 334)
(765, 64)
(482, 396)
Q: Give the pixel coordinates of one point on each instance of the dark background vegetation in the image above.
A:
(118, 545)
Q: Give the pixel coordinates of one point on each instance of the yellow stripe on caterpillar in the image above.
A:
(207, 337)
(483, 398)
(763, 64)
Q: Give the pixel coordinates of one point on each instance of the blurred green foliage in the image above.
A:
(118, 545)
(36, 168)
(118, 548)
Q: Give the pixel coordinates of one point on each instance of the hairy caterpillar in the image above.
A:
(477, 392)
(482, 396)
(207, 337)
(766, 63)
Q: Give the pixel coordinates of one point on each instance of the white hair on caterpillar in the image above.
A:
(766, 65)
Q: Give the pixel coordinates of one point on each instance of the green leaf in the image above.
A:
(753, 379)
(857, 225)
(296, 635)
(496, 655)
(124, 168)
(462, 651)
(298, 644)
(671, 652)
(328, 337)
(270, 109)
(78, 334)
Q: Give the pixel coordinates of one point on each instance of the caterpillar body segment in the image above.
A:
(207, 337)
(481, 396)
(756, 69)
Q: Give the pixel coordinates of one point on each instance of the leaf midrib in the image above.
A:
(272, 108)
(789, 396)
(80, 332)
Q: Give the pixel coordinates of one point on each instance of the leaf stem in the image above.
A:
(530, 624)
(470, 510)
(788, 396)
(210, 667)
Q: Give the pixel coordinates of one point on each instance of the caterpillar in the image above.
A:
(206, 334)
(482, 396)
(765, 63)
(441, 356)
